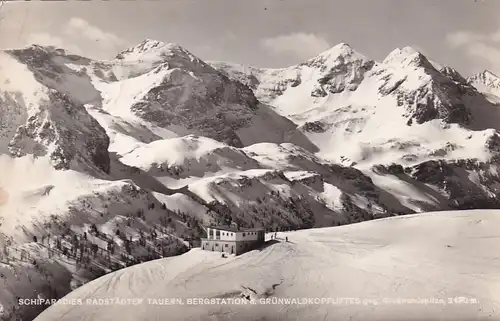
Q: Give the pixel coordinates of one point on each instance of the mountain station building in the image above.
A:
(232, 240)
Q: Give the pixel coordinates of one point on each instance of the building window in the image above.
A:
(225, 245)
(243, 234)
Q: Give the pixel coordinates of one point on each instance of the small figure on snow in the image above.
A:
(286, 239)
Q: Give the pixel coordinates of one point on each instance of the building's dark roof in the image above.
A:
(234, 229)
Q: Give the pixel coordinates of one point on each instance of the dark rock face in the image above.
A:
(341, 69)
(314, 127)
(355, 176)
(432, 172)
(356, 214)
(207, 103)
(440, 96)
(387, 88)
(461, 184)
(60, 121)
(347, 75)
(454, 76)
(434, 101)
(454, 179)
(40, 59)
(493, 143)
(78, 139)
(193, 95)
(318, 92)
(396, 169)
(279, 87)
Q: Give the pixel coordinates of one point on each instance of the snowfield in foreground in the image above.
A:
(433, 256)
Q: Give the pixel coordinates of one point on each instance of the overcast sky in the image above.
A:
(464, 34)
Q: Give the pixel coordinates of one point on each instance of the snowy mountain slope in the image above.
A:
(405, 110)
(129, 157)
(54, 166)
(258, 178)
(330, 77)
(489, 85)
(346, 105)
(47, 223)
(486, 81)
(43, 114)
(446, 258)
(170, 88)
(54, 180)
(338, 68)
(52, 107)
(175, 162)
(79, 82)
(39, 120)
(82, 82)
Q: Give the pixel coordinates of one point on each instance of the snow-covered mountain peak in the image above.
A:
(150, 54)
(154, 48)
(408, 57)
(150, 46)
(488, 73)
(401, 53)
(341, 77)
(453, 74)
(486, 78)
(488, 83)
(342, 49)
(336, 56)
